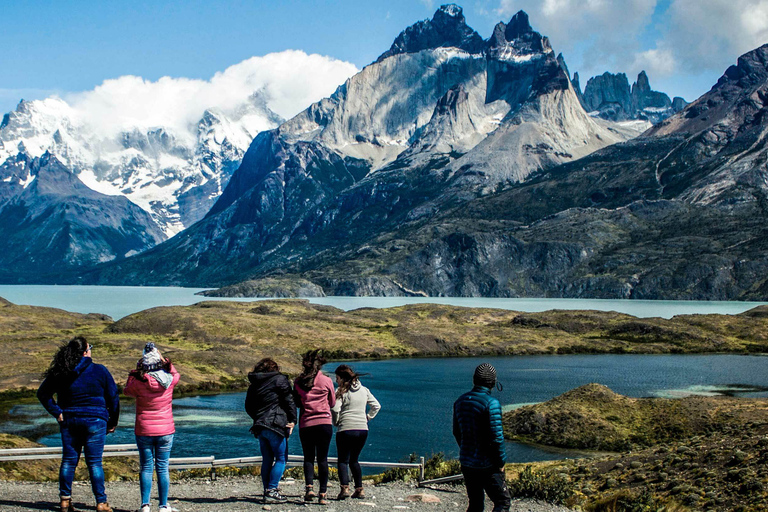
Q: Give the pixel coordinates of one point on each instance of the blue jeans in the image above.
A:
(274, 453)
(154, 453)
(77, 435)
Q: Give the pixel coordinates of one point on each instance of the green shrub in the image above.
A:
(541, 485)
(627, 501)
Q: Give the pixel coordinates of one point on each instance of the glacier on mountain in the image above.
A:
(173, 176)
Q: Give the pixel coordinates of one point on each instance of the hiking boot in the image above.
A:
(103, 507)
(343, 493)
(66, 505)
(359, 493)
(274, 496)
(309, 494)
(321, 499)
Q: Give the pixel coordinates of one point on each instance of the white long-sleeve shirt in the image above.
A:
(355, 408)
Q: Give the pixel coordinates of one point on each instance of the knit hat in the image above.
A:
(151, 360)
(485, 375)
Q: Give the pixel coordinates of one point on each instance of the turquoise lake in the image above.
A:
(119, 301)
(417, 397)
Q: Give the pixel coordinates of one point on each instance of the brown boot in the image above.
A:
(359, 493)
(66, 505)
(344, 493)
(103, 507)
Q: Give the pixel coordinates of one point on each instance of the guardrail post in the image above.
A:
(421, 469)
(213, 472)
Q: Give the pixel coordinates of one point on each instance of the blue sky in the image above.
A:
(69, 46)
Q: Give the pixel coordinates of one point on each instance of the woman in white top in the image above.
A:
(355, 407)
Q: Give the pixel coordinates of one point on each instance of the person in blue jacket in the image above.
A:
(477, 429)
(87, 407)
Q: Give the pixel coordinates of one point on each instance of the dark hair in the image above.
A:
(348, 377)
(266, 365)
(312, 362)
(67, 357)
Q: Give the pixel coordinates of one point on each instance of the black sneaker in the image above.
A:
(274, 496)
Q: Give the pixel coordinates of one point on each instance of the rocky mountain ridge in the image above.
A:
(415, 131)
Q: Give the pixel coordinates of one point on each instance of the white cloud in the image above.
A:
(291, 80)
(597, 35)
(712, 34)
(658, 63)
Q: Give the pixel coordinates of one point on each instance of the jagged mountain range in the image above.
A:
(457, 166)
(424, 126)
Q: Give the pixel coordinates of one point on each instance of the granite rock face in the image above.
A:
(610, 97)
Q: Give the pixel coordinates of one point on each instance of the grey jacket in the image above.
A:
(349, 413)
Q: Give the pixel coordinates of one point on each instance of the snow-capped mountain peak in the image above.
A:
(173, 175)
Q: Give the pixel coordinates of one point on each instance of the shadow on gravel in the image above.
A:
(47, 505)
(257, 499)
(38, 505)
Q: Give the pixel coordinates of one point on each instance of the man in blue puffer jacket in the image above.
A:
(477, 429)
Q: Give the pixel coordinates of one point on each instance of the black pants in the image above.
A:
(491, 481)
(349, 444)
(316, 440)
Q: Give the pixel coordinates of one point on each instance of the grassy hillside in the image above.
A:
(698, 453)
(215, 344)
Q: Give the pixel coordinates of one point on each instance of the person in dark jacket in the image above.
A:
(87, 409)
(269, 402)
(477, 429)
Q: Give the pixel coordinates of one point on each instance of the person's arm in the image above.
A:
(498, 454)
(172, 370)
(112, 399)
(331, 395)
(286, 399)
(133, 385)
(456, 428)
(335, 410)
(373, 405)
(45, 394)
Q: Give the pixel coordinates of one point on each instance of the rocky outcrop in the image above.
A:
(278, 287)
(610, 96)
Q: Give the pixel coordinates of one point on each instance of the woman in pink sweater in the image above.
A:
(315, 396)
(152, 383)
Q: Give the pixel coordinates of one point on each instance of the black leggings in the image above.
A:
(316, 439)
(349, 444)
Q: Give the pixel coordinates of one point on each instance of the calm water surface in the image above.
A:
(417, 397)
(119, 301)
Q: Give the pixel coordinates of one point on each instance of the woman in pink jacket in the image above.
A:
(315, 396)
(152, 384)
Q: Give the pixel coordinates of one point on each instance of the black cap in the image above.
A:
(485, 375)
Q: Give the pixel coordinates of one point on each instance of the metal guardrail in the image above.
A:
(209, 462)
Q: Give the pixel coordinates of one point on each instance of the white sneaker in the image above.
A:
(144, 508)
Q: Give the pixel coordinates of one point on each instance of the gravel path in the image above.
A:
(244, 494)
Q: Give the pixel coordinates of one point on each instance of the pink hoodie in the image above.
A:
(315, 404)
(154, 413)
